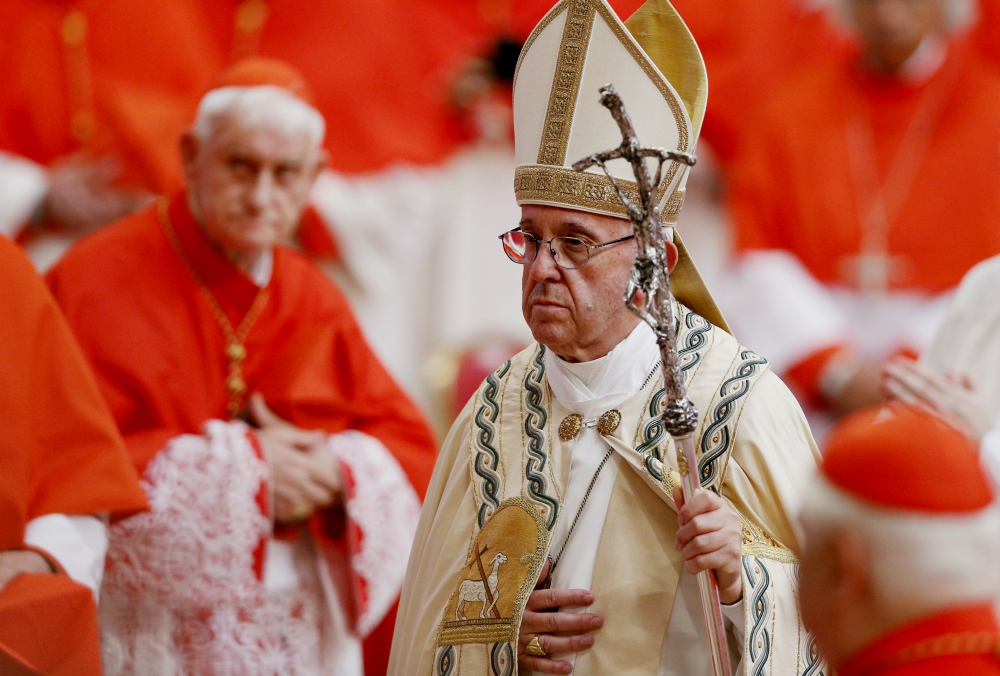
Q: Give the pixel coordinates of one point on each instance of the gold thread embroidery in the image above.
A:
(566, 82)
(490, 629)
(758, 543)
(472, 452)
(533, 182)
(558, 184)
(736, 426)
(503, 466)
(763, 551)
(551, 448)
(672, 209)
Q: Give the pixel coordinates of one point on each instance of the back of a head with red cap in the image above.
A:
(901, 522)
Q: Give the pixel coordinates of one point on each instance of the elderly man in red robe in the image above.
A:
(282, 463)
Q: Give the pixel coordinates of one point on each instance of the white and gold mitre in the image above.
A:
(657, 69)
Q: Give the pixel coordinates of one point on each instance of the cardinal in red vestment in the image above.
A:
(283, 464)
(64, 472)
(901, 567)
(871, 184)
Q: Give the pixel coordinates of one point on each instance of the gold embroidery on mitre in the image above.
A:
(570, 426)
(672, 209)
(563, 186)
(493, 587)
(566, 81)
(550, 181)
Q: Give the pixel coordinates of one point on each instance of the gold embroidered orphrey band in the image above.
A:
(566, 82)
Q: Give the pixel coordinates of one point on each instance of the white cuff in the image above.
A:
(23, 185)
(734, 614)
(78, 543)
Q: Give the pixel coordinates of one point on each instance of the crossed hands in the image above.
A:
(709, 538)
(305, 473)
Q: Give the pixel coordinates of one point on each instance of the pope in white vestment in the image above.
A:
(560, 465)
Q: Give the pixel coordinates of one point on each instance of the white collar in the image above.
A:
(261, 271)
(604, 382)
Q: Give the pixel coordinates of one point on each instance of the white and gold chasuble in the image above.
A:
(504, 487)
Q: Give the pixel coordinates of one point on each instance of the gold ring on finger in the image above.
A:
(534, 647)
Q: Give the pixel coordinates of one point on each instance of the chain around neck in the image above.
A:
(235, 338)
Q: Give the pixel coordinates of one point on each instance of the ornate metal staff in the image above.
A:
(648, 296)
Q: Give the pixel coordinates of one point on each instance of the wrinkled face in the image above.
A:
(893, 29)
(249, 185)
(576, 312)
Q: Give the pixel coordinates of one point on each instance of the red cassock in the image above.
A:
(955, 642)
(803, 182)
(160, 359)
(107, 77)
(880, 188)
(381, 70)
(987, 34)
(60, 454)
(750, 47)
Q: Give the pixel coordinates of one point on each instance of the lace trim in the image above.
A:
(382, 510)
(182, 590)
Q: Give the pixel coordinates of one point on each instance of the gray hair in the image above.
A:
(958, 14)
(260, 106)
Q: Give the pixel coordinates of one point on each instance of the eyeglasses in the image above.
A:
(571, 253)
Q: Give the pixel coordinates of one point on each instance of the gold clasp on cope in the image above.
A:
(572, 424)
(609, 421)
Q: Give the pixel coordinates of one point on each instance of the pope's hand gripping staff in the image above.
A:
(648, 296)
